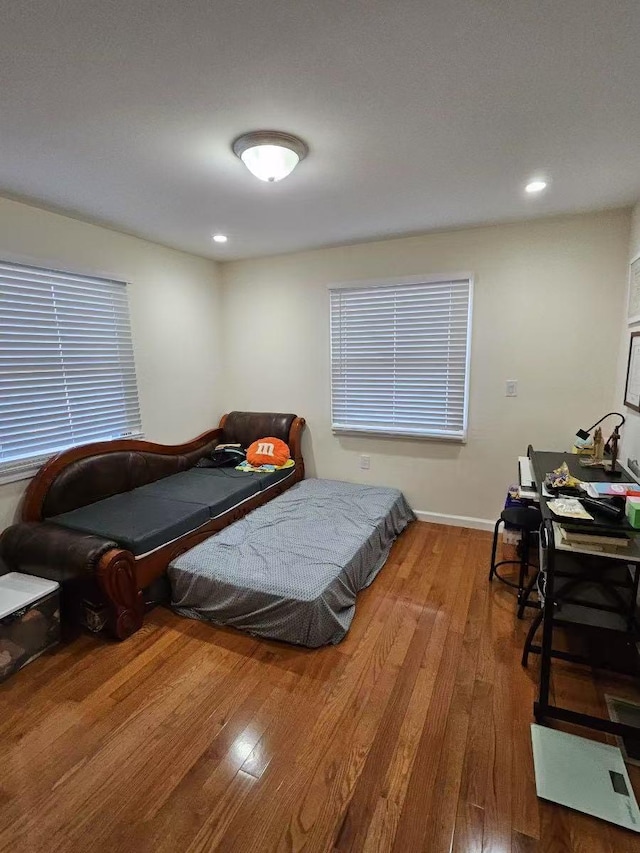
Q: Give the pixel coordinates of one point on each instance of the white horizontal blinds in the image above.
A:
(67, 373)
(399, 358)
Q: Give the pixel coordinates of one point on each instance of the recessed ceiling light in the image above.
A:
(220, 238)
(536, 186)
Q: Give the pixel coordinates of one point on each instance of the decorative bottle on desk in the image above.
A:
(598, 446)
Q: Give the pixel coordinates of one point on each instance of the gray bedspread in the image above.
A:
(291, 569)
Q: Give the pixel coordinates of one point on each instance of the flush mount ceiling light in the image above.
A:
(220, 238)
(269, 154)
(536, 186)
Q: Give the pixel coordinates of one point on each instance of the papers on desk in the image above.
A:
(630, 553)
(526, 472)
(528, 495)
(527, 490)
(578, 536)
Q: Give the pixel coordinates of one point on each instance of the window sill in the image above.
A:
(16, 476)
(29, 469)
(382, 433)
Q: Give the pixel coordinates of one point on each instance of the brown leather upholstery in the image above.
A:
(97, 477)
(48, 550)
(62, 555)
(247, 427)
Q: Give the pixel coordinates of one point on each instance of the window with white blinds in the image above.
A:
(400, 357)
(67, 374)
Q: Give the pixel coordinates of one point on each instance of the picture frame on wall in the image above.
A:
(632, 386)
(633, 308)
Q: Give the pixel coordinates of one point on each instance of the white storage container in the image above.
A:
(29, 619)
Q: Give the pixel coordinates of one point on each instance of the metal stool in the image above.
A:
(527, 520)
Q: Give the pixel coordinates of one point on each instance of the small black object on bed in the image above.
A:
(223, 456)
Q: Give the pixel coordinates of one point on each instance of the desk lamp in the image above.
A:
(612, 443)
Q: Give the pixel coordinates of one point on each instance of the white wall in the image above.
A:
(175, 317)
(630, 444)
(548, 299)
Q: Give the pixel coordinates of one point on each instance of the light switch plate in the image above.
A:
(511, 388)
(365, 462)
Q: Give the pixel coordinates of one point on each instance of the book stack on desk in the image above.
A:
(597, 539)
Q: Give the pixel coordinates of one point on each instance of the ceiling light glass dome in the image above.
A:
(269, 154)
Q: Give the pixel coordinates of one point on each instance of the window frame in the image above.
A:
(32, 464)
(432, 278)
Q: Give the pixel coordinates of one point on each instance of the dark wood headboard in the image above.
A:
(92, 472)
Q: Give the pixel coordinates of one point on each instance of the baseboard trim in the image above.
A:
(455, 520)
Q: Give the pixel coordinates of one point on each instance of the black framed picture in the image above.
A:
(632, 386)
(633, 307)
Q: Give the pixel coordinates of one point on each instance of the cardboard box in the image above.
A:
(632, 509)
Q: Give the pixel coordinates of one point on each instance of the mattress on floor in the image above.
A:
(291, 570)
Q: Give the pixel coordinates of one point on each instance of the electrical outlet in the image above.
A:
(511, 388)
(365, 462)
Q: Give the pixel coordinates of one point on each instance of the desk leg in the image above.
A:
(524, 563)
(541, 706)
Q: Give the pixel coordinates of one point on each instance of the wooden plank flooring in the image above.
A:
(411, 735)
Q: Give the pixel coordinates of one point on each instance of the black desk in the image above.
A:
(542, 462)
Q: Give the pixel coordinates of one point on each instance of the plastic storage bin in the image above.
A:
(29, 619)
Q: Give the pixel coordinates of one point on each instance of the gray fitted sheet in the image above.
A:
(291, 569)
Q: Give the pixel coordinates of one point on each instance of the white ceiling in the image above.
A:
(420, 114)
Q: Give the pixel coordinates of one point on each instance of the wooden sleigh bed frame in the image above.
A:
(89, 567)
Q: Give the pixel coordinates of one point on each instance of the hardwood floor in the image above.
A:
(411, 735)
